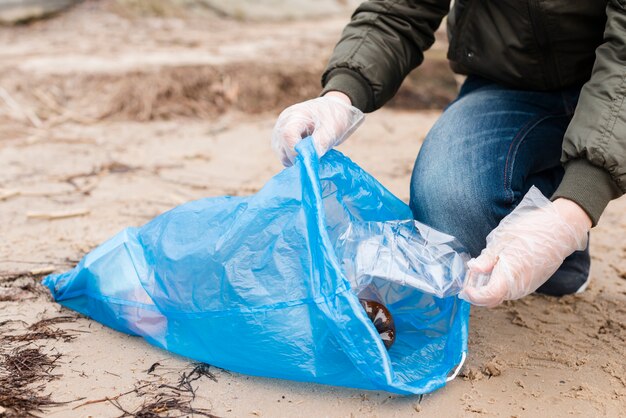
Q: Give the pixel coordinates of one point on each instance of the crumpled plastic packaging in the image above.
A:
(254, 285)
(404, 252)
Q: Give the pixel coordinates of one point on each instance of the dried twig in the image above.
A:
(57, 215)
(7, 276)
(42, 271)
(7, 194)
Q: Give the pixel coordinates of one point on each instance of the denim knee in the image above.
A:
(487, 148)
(454, 200)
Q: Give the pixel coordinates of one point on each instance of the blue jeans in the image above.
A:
(483, 154)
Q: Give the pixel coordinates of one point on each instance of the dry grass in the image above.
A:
(42, 330)
(23, 373)
(25, 368)
(160, 399)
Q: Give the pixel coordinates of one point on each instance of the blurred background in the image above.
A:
(113, 111)
(163, 59)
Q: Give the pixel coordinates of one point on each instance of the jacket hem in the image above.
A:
(352, 84)
(591, 187)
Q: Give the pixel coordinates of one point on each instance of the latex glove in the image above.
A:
(330, 119)
(526, 248)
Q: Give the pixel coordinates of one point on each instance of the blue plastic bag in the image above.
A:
(253, 284)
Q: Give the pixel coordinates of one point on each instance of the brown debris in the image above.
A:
(20, 369)
(163, 405)
(199, 370)
(162, 399)
(493, 368)
(613, 327)
(153, 367)
(41, 330)
(472, 374)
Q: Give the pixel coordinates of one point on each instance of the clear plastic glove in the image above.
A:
(329, 119)
(526, 248)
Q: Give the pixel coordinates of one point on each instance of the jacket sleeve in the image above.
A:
(594, 146)
(383, 42)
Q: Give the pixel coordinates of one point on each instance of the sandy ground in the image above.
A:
(64, 157)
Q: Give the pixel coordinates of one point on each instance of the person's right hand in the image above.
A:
(330, 119)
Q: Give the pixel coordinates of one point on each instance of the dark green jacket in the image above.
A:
(527, 44)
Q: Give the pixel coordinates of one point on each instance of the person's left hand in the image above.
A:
(526, 248)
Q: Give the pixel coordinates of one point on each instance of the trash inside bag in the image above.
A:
(404, 252)
(255, 284)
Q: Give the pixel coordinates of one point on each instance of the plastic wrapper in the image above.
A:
(407, 253)
(254, 284)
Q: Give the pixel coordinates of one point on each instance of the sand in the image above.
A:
(73, 175)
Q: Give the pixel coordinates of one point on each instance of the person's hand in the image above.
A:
(329, 119)
(526, 248)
